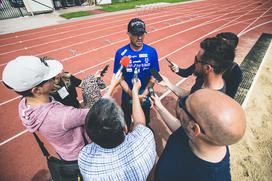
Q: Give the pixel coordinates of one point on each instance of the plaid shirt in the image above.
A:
(131, 160)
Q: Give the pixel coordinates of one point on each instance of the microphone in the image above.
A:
(135, 75)
(125, 60)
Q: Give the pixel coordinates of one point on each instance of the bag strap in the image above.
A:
(85, 139)
(44, 150)
(41, 145)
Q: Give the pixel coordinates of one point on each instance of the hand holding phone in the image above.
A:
(172, 66)
(169, 62)
(151, 91)
(105, 69)
(156, 75)
(135, 74)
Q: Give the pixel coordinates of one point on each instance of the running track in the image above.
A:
(87, 45)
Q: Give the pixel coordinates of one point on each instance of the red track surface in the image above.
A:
(86, 45)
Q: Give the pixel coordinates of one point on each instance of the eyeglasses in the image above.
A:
(182, 105)
(203, 62)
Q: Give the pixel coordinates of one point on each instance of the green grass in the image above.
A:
(117, 5)
(75, 14)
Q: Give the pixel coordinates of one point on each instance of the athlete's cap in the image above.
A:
(136, 26)
(26, 72)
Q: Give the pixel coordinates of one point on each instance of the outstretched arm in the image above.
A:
(125, 87)
(137, 111)
(150, 84)
(175, 89)
(171, 121)
(114, 82)
(181, 72)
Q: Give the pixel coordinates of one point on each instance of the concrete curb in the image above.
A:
(42, 20)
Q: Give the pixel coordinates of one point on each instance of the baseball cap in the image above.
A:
(136, 26)
(26, 72)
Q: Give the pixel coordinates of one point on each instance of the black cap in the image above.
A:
(136, 26)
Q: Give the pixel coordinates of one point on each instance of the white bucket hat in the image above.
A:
(26, 72)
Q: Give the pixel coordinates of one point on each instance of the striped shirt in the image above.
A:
(131, 160)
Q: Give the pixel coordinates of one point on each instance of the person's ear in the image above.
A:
(36, 90)
(207, 68)
(194, 129)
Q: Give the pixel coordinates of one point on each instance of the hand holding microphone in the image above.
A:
(135, 74)
(125, 60)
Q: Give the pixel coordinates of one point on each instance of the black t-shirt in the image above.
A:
(71, 99)
(233, 77)
(178, 163)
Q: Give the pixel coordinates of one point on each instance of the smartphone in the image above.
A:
(156, 75)
(169, 61)
(105, 69)
(135, 74)
(151, 91)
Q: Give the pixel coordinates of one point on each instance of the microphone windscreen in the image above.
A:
(125, 60)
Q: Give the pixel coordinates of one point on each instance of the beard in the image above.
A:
(198, 73)
(135, 45)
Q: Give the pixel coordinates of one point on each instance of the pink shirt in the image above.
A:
(60, 125)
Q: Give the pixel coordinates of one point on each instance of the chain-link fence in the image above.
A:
(12, 9)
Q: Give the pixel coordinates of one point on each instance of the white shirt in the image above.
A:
(131, 160)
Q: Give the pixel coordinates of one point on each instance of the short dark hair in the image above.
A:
(105, 122)
(27, 93)
(217, 53)
(230, 38)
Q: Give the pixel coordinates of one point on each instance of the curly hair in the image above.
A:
(231, 38)
(218, 53)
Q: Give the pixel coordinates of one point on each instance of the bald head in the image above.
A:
(222, 118)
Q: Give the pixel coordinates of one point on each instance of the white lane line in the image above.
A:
(255, 27)
(254, 21)
(165, 94)
(86, 27)
(98, 30)
(76, 36)
(64, 32)
(101, 63)
(105, 18)
(10, 100)
(70, 25)
(13, 137)
(66, 59)
(248, 12)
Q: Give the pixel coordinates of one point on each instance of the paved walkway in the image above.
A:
(41, 20)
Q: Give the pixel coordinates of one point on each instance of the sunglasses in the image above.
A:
(182, 105)
(203, 62)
